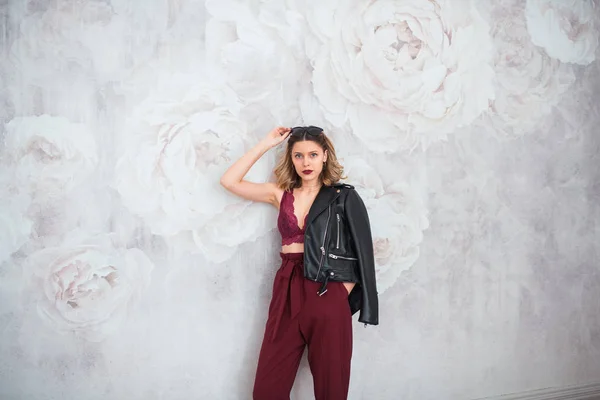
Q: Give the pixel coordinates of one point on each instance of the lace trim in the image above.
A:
(292, 240)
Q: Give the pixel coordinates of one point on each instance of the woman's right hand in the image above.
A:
(276, 136)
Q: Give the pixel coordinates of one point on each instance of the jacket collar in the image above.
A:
(326, 195)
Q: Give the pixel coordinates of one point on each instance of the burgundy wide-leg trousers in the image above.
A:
(299, 317)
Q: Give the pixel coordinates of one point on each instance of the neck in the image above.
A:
(310, 186)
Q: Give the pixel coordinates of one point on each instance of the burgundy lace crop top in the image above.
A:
(287, 222)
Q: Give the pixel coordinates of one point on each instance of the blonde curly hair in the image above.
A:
(286, 176)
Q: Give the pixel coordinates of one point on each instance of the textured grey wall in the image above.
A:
(469, 128)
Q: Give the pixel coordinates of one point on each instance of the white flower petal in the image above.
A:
(565, 29)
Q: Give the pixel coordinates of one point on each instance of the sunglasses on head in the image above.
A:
(310, 130)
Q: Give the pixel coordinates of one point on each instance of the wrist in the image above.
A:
(264, 145)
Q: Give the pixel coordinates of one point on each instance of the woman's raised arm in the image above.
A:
(233, 178)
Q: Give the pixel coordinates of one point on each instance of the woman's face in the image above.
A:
(308, 158)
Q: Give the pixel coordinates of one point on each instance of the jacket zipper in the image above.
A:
(337, 243)
(335, 257)
(323, 245)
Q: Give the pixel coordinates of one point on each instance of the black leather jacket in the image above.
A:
(338, 247)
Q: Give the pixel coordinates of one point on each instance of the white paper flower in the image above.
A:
(88, 287)
(255, 49)
(398, 217)
(403, 74)
(530, 83)
(50, 155)
(566, 29)
(178, 144)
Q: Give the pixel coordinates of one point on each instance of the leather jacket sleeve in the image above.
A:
(360, 231)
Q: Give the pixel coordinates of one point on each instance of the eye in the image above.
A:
(297, 155)
(314, 155)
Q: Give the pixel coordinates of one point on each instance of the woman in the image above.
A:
(327, 272)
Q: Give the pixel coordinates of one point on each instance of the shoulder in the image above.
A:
(278, 193)
(347, 191)
(341, 185)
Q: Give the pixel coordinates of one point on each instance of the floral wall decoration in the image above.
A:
(469, 129)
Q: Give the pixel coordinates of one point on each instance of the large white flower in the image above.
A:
(255, 47)
(398, 217)
(88, 287)
(566, 29)
(403, 74)
(530, 83)
(178, 144)
(51, 155)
